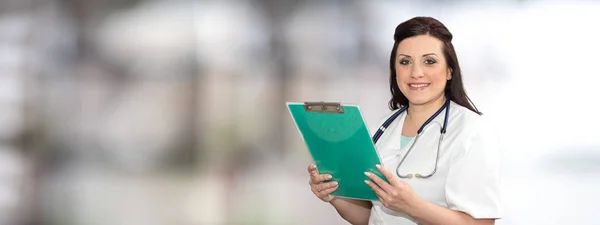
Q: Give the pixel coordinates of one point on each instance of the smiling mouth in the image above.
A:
(419, 85)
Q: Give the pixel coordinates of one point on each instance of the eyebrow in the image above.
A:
(423, 55)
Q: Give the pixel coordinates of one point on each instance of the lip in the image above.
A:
(421, 86)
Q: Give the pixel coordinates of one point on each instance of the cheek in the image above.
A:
(402, 74)
(438, 75)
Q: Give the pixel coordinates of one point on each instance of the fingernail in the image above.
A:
(367, 173)
(335, 183)
(328, 176)
(378, 166)
(366, 182)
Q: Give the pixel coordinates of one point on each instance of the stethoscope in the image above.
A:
(419, 132)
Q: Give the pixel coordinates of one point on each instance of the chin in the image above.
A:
(421, 99)
(418, 102)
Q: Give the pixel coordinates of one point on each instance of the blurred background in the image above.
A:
(173, 112)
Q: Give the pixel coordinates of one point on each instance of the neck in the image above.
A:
(418, 114)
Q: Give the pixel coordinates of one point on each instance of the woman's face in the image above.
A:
(421, 71)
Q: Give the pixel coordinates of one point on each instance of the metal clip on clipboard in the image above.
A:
(324, 107)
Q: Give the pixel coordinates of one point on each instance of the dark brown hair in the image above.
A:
(429, 26)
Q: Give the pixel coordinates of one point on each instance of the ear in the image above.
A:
(449, 74)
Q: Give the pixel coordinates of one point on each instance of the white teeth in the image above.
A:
(418, 85)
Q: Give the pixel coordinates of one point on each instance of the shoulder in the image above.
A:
(466, 121)
(471, 129)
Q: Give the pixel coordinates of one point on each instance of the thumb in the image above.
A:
(312, 169)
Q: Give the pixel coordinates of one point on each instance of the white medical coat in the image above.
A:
(467, 177)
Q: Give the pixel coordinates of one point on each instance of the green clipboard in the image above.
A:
(339, 143)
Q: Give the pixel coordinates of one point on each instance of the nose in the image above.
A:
(417, 71)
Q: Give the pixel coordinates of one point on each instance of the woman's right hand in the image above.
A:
(317, 185)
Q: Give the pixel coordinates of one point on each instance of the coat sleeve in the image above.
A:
(473, 181)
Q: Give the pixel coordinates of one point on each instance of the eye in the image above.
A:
(430, 61)
(404, 62)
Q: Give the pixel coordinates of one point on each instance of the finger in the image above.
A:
(324, 186)
(314, 173)
(312, 169)
(319, 189)
(388, 175)
(378, 191)
(380, 182)
(327, 191)
(320, 178)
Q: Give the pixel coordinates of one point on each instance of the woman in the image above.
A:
(456, 182)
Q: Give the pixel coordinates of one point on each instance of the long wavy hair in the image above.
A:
(429, 26)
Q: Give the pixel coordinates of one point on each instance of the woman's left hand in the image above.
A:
(396, 195)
